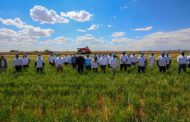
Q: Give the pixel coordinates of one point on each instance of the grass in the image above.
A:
(68, 96)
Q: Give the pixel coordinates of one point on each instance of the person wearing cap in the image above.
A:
(162, 63)
(123, 60)
(103, 63)
(39, 64)
(3, 64)
(169, 61)
(80, 61)
(59, 63)
(73, 61)
(95, 65)
(25, 61)
(88, 62)
(151, 60)
(114, 64)
(17, 63)
(182, 62)
(141, 63)
(66, 60)
(133, 59)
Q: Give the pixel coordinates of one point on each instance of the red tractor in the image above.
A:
(84, 50)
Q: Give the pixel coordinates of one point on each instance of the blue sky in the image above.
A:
(100, 24)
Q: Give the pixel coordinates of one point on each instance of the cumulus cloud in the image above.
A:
(118, 34)
(14, 22)
(93, 27)
(144, 29)
(174, 40)
(81, 16)
(43, 15)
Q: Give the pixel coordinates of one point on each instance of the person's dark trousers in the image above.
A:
(52, 64)
(189, 65)
(128, 65)
(109, 66)
(66, 63)
(80, 68)
(74, 65)
(162, 69)
(39, 70)
(18, 68)
(182, 66)
(88, 68)
(25, 66)
(123, 66)
(95, 69)
(133, 63)
(103, 68)
(168, 66)
(141, 69)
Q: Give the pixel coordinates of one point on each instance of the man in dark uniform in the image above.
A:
(80, 61)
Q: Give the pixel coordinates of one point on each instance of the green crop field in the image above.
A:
(69, 96)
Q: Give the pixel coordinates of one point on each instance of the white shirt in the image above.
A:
(3, 63)
(66, 59)
(59, 61)
(168, 59)
(17, 62)
(128, 61)
(162, 61)
(39, 63)
(114, 63)
(141, 61)
(94, 64)
(188, 59)
(51, 59)
(182, 59)
(123, 59)
(25, 61)
(103, 61)
(133, 59)
(152, 59)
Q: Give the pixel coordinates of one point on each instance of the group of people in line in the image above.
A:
(79, 62)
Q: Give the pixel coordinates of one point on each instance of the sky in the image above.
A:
(65, 25)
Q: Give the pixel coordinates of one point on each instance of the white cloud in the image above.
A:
(93, 27)
(123, 7)
(144, 29)
(118, 34)
(109, 26)
(81, 30)
(179, 39)
(81, 16)
(43, 15)
(14, 22)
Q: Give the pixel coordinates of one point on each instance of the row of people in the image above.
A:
(79, 62)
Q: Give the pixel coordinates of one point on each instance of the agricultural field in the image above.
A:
(69, 96)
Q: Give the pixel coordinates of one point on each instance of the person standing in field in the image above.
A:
(95, 65)
(39, 64)
(128, 62)
(141, 63)
(51, 59)
(188, 59)
(80, 61)
(114, 64)
(151, 60)
(25, 61)
(103, 63)
(59, 63)
(66, 60)
(169, 61)
(73, 61)
(123, 60)
(133, 59)
(17, 63)
(182, 62)
(88, 62)
(3, 64)
(162, 63)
